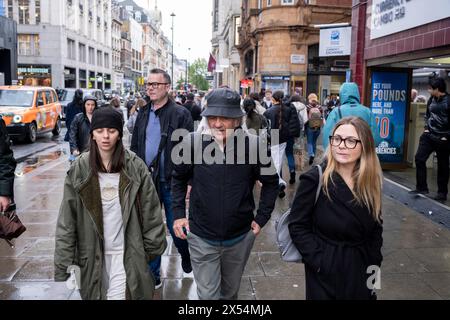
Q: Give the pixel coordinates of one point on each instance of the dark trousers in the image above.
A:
(428, 144)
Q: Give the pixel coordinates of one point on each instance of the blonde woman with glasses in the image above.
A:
(340, 235)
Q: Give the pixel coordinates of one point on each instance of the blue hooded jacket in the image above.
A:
(350, 106)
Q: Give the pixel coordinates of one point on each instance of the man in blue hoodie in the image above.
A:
(350, 106)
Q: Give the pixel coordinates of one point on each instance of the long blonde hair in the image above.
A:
(367, 174)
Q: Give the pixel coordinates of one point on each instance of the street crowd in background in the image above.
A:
(110, 221)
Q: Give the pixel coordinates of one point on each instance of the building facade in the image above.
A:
(63, 43)
(225, 38)
(8, 51)
(279, 45)
(116, 31)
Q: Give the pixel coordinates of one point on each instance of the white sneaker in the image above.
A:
(188, 275)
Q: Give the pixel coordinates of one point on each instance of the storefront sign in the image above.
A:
(389, 104)
(280, 78)
(34, 70)
(392, 16)
(335, 42)
(298, 59)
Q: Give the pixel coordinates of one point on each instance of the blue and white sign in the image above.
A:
(335, 41)
(389, 104)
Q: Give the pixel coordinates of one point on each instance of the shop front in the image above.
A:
(70, 77)
(275, 83)
(92, 80)
(406, 44)
(34, 75)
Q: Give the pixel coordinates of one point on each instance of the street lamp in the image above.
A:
(173, 16)
(187, 67)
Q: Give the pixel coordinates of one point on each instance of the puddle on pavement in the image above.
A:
(33, 162)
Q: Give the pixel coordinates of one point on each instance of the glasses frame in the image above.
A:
(345, 142)
(156, 85)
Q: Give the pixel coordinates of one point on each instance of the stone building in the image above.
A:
(279, 45)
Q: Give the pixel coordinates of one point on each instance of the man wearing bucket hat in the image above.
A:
(222, 227)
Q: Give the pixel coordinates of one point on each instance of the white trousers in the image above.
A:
(277, 157)
(115, 279)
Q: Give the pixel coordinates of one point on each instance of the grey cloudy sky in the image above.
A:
(193, 25)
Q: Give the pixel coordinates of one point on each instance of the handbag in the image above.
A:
(10, 225)
(288, 250)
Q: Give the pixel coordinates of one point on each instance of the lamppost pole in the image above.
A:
(173, 16)
(187, 74)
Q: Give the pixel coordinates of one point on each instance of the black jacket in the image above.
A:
(290, 125)
(172, 117)
(72, 110)
(221, 203)
(437, 118)
(80, 133)
(194, 109)
(7, 163)
(337, 238)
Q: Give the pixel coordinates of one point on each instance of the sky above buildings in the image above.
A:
(193, 25)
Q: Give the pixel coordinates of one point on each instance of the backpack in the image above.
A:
(288, 250)
(315, 118)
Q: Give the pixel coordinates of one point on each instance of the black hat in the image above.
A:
(223, 102)
(107, 117)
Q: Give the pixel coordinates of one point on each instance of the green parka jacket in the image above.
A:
(79, 230)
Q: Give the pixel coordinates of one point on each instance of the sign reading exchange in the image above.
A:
(392, 16)
(335, 42)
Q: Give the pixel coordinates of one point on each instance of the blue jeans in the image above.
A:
(181, 245)
(311, 138)
(290, 154)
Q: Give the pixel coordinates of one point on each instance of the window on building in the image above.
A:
(99, 58)
(71, 49)
(37, 6)
(10, 9)
(28, 44)
(237, 25)
(106, 60)
(24, 12)
(287, 2)
(81, 52)
(269, 3)
(260, 4)
(216, 15)
(91, 55)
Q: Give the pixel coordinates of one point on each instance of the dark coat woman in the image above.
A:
(340, 237)
(73, 108)
(80, 128)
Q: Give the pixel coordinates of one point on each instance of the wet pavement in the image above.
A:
(416, 249)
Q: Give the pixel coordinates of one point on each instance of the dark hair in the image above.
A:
(438, 83)
(164, 73)
(249, 105)
(95, 160)
(78, 97)
(183, 99)
(278, 97)
(254, 96)
(296, 98)
(190, 96)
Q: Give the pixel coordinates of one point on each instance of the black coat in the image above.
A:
(290, 125)
(172, 117)
(338, 240)
(437, 117)
(221, 203)
(194, 109)
(80, 133)
(7, 163)
(72, 110)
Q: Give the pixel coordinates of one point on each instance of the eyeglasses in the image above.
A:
(350, 142)
(156, 85)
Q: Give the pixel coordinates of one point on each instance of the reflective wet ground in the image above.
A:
(416, 250)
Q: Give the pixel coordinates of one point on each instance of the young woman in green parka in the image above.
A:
(110, 223)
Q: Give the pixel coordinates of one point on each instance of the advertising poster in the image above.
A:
(389, 104)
